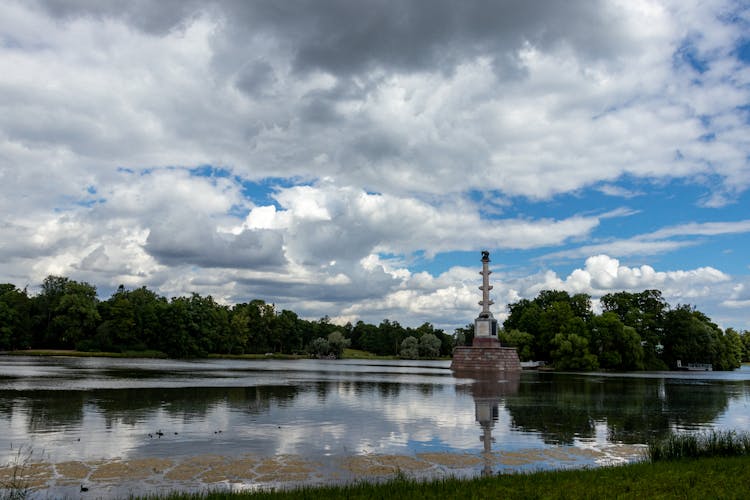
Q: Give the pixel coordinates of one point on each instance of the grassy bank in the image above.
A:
(348, 354)
(357, 354)
(87, 354)
(719, 477)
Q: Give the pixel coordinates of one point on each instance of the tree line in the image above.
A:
(635, 331)
(66, 314)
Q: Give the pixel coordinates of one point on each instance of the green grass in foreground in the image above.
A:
(721, 477)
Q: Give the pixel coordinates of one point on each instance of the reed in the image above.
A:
(14, 483)
(706, 444)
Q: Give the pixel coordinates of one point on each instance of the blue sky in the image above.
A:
(352, 159)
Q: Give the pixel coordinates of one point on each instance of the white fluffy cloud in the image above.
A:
(383, 126)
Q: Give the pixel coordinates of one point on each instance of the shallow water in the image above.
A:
(137, 425)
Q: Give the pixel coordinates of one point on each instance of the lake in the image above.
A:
(122, 426)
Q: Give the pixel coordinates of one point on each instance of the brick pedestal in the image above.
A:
(485, 355)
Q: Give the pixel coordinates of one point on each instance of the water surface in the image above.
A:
(322, 421)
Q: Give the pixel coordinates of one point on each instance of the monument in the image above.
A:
(485, 326)
(486, 354)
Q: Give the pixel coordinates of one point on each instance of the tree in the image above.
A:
(409, 348)
(734, 346)
(251, 326)
(571, 353)
(618, 347)
(337, 343)
(15, 318)
(117, 330)
(319, 347)
(646, 312)
(745, 335)
(75, 315)
(688, 337)
(550, 313)
(385, 340)
(429, 346)
(522, 341)
(463, 336)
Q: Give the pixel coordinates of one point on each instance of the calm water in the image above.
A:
(97, 409)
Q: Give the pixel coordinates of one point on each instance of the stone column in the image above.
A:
(485, 326)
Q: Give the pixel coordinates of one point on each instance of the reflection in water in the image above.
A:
(488, 389)
(563, 408)
(325, 412)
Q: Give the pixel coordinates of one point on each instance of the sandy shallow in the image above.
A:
(120, 477)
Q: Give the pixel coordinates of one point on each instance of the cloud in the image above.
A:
(386, 96)
(657, 242)
(327, 222)
(133, 136)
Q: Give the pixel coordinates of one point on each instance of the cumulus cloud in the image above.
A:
(133, 134)
(327, 222)
(521, 97)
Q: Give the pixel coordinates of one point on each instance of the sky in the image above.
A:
(351, 159)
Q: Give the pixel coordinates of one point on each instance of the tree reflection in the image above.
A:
(50, 410)
(564, 407)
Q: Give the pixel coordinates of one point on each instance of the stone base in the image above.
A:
(485, 342)
(485, 356)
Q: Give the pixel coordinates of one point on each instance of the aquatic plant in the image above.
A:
(715, 443)
(14, 483)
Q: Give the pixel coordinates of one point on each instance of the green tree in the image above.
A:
(251, 326)
(522, 341)
(117, 331)
(15, 318)
(319, 347)
(617, 347)
(43, 311)
(285, 336)
(734, 347)
(550, 313)
(75, 315)
(570, 352)
(409, 348)
(745, 335)
(429, 346)
(337, 343)
(646, 312)
(689, 337)
(463, 336)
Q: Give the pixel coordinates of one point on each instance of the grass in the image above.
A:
(274, 355)
(88, 354)
(357, 354)
(707, 444)
(718, 477)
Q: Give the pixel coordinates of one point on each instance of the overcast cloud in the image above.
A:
(351, 159)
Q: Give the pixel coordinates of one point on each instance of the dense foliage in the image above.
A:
(635, 331)
(66, 314)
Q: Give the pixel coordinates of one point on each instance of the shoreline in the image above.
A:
(348, 354)
(121, 476)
